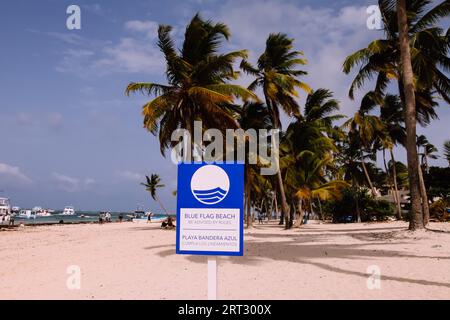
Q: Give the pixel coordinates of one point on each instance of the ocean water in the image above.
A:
(89, 216)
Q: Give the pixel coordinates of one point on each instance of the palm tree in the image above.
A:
(307, 151)
(151, 185)
(198, 87)
(447, 151)
(390, 58)
(391, 115)
(364, 130)
(407, 73)
(277, 75)
(253, 115)
(428, 150)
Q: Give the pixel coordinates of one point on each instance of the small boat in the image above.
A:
(15, 210)
(28, 214)
(41, 212)
(68, 211)
(5, 207)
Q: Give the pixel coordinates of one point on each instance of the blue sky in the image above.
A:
(68, 134)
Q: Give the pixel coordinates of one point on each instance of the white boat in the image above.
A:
(24, 213)
(15, 210)
(5, 207)
(68, 211)
(39, 212)
(43, 213)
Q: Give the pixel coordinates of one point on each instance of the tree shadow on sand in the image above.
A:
(302, 248)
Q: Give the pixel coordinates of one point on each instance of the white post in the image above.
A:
(212, 278)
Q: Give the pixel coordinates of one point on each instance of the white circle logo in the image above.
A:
(210, 184)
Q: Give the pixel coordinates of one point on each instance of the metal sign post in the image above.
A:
(212, 278)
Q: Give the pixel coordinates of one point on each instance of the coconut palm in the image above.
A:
(152, 184)
(427, 153)
(392, 117)
(447, 151)
(253, 115)
(277, 74)
(365, 130)
(197, 77)
(390, 58)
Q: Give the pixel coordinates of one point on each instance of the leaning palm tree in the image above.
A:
(198, 85)
(447, 151)
(277, 74)
(151, 185)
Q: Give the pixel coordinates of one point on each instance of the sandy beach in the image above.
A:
(138, 261)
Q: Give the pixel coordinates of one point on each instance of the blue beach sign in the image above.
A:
(210, 201)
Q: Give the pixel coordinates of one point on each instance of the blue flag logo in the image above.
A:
(210, 184)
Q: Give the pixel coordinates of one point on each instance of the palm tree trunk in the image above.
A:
(320, 209)
(416, 221)
(299, 222)
(276, 204)
(426, 159)
(423, 193)
(161, 205)
(366, 173)
(397, 196)
(248, 209)
(284, 206)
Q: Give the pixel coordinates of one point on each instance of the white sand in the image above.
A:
(138, 261)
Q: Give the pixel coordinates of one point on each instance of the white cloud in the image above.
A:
(91, 57)
(12, 173)
(325, 35)
(71, 184)
(128, 175)
(149, 28)
(130, 56)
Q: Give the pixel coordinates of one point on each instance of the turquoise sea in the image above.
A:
(89, 216)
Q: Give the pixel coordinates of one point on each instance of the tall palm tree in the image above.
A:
(151, 185)
(198, 87)
(253, 115)
(387, 59)
(416, 221)
(277, 74)
(447, 151)
(392, 117)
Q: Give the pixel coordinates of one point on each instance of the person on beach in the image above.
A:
(149, 217)
(100, 218)
(168, 224)
(120, 217)
(11, 219)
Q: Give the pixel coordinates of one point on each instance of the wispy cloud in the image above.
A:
(70, 184)
(13, 173)
(133, 53)
(128, 175)
(53, 121)
(149, 28)
(326, 36)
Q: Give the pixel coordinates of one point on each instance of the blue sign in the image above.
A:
(210, 202)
